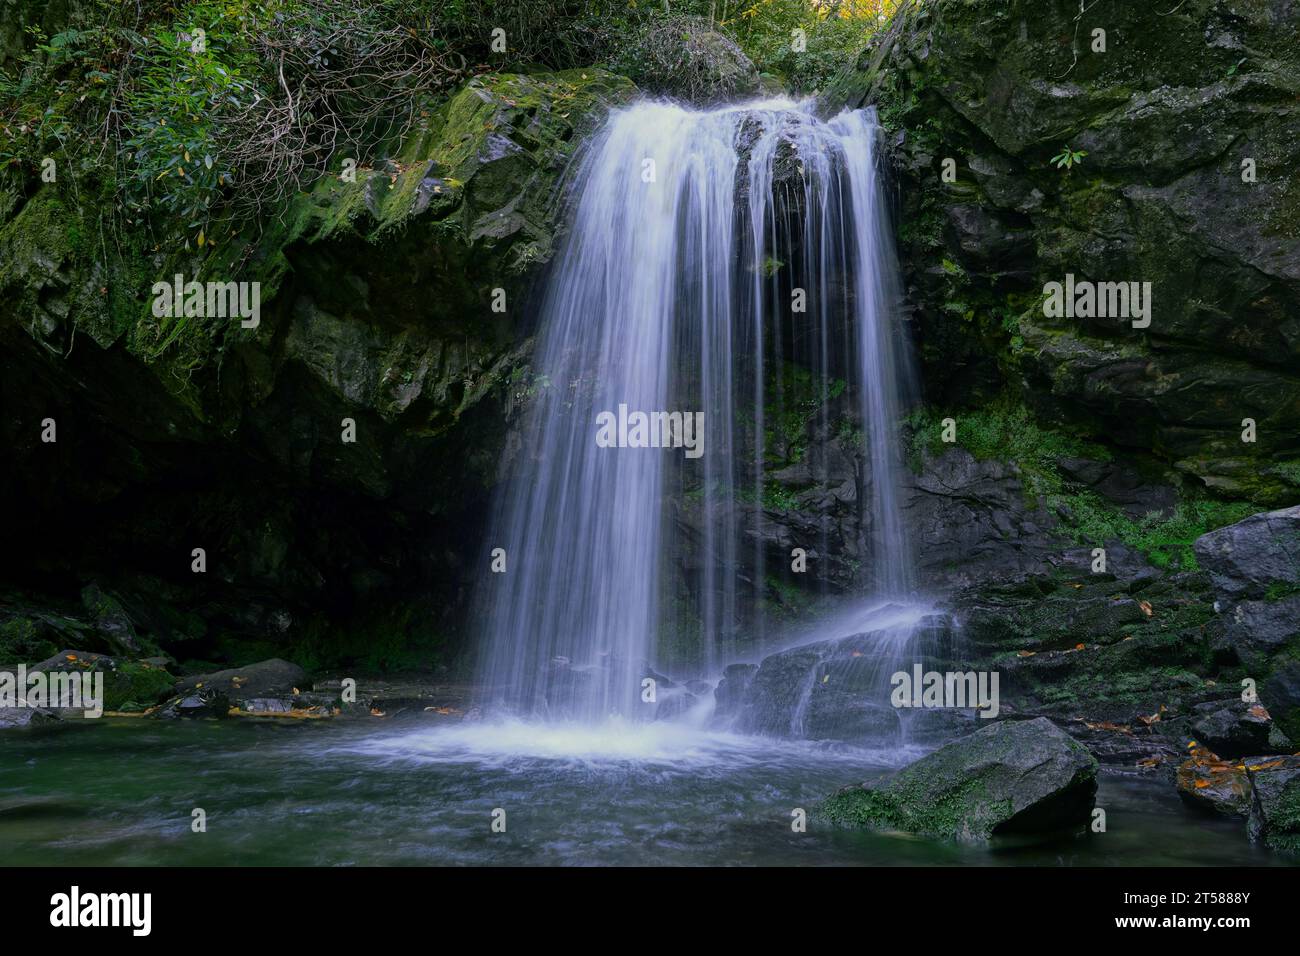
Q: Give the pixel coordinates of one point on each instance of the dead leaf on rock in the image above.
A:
(1153, 718)
(1264, 766)
(1107, 725)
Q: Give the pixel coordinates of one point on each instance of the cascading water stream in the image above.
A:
(708, 248)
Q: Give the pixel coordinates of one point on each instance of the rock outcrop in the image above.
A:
(1182, 123)
(309, 459)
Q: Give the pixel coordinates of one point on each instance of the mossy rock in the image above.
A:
(1012, 777)
(129, 685)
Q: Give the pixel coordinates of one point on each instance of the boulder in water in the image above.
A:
(1012, 777)
(213, 695)
(26, 718)
(839, 689)
(1215, 786)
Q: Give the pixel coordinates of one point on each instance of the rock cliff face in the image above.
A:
(1186, 123)
(377, 309)
(1078, 432)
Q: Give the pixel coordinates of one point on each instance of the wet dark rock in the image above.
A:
(674, 703)
(1255, 569)
(970, 522)
(839, 689)
(1281, 694)
(1254, 558)
(1255, 631)
(111, 621)
(1014, 777)
(271, 678)
(1122, 485)
(196, 705)
(267, 705)
(1234, 730)
(1222, 790)
(375, 299)
(27, 718)
(1275, 805)
(729, 695)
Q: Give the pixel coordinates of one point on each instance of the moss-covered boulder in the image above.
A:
(1014, 777)
(129, 685)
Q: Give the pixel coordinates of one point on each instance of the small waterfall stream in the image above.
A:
(708, 248)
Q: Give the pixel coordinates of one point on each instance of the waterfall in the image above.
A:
(708, 249)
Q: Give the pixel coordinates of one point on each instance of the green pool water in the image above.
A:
(123, 792)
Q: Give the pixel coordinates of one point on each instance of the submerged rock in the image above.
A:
(1012, 777)
(729, 695)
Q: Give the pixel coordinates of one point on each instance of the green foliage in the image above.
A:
(136, 686)
(1288, 471)
(1166, 542)
(765, 30)
(1068, 158)
(179, 95)
(179, 128)
(402, 641)
(21, 641)
(794, 397)
(1006, 430)
(152, 129)
(1280, 590)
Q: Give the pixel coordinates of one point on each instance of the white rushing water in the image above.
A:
(695, 237)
